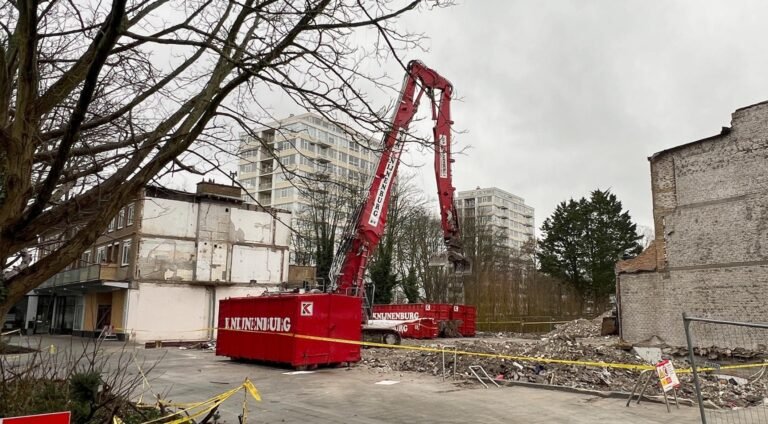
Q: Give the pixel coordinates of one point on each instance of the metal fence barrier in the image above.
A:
(728, 362)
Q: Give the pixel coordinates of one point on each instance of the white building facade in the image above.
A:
(295, 153)
(505, 213)
(161, 268)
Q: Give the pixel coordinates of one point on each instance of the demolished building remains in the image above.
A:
(710, 253)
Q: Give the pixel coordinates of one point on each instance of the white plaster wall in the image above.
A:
(214, 221)
(263, 264)
(251, 227)
(167, 217)
(212, 260)
(166, 259)
(282, 232)
(168, 312)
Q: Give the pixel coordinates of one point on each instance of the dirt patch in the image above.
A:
(8, 349)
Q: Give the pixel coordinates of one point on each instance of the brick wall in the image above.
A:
(652, 303)
(710, 201)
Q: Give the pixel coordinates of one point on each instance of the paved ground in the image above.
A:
(352, 395)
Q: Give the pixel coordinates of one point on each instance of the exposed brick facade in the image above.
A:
(710, 208)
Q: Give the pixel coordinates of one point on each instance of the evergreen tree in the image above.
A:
(381, 273)
(410, 285)
(583, 239)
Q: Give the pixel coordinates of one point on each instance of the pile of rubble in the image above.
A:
(579, 328)
(575, 341)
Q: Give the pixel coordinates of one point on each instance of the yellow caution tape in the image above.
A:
(207, 405)
(600, 364)
(252, 390)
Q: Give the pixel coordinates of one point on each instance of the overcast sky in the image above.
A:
(557, 98)
(562, 97)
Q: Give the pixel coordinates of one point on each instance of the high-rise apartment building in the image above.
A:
(303, 156)
(505, 213)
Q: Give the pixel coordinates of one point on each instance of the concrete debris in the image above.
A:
(574, 341)
(718, 354)
(579, 328)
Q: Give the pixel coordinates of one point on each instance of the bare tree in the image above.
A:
(99, 98)
(330, 205)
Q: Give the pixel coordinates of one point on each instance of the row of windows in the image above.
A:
(118, 252)
(306, 147)
(470, 202)
(364, 165)
(123, 219)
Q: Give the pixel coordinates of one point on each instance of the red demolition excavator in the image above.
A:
(306, 329)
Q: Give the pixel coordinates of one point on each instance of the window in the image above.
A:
(249, 167)
(249, 153)
(112, 253)
(342, 157)
(101, 254)
(126, 258)
(289, 160)
(354, 161)
(121, 219)
(112, 224)
(307, 146)
(248, 183)
(129, 215)
(354, 146)
(85, 259)
(285, 192)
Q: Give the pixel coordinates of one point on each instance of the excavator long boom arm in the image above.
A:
(348, 271)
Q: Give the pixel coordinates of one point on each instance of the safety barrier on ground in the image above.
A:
(598, 364)
(452, 351)
(744, 339)
(188, 412)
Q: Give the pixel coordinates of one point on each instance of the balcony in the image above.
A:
(323, 143)
(98, 273)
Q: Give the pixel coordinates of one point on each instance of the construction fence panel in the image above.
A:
(729, 362)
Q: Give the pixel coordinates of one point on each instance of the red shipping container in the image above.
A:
(410, 311)
(269, 328)
(424, 328)
(468, 316)
(436, 312)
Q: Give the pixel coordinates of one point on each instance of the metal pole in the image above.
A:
(443, 353)
(686, 325)
(455, 349)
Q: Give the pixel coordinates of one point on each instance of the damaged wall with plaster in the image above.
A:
(710, 202)
(207, 241)
(193, 252)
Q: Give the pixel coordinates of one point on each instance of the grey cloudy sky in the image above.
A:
(561, 97)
